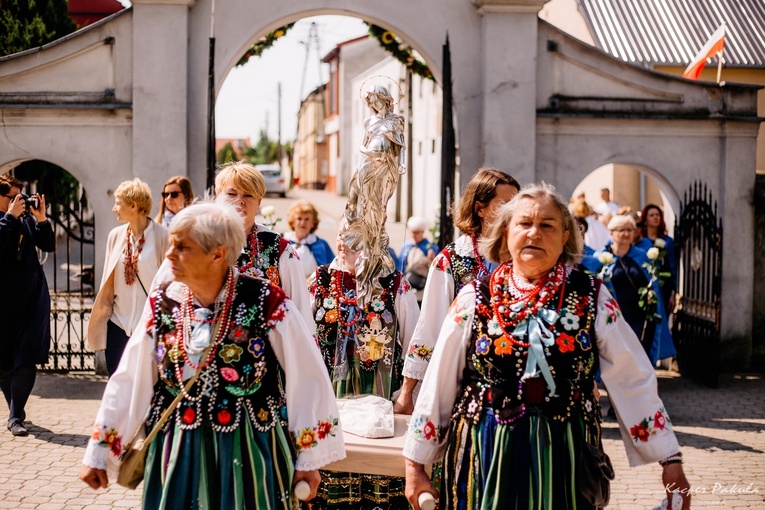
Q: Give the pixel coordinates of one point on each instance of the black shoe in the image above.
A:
(17, 428)
(611, 413)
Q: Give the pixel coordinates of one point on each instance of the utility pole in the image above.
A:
(279, 124)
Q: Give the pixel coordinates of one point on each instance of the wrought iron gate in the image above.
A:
(69, 270)
(699, 242)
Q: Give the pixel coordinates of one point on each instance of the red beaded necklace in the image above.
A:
(478, 258)
(255, 250)
(131, 260)
(535, 298)
(187, 310)
(336, 291)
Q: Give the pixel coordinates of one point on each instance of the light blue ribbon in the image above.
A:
(536, 331)
(340, 370)
(199, 340)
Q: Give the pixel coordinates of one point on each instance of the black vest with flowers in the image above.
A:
(464, 268)
(260, 258)
(328, 312)
(492, 375)
(243, 376)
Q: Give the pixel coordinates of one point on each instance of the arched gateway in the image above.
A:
(128, 97)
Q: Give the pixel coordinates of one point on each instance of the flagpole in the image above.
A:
(720, 56)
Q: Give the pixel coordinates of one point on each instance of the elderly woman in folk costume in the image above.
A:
(455, 266)
(362, 350)
(218, 340)
(507, 401)
(134, 253)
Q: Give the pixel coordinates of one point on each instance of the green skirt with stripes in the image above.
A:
(529, 464)
(204, 469)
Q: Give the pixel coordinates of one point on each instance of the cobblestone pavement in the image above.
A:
(722, 432)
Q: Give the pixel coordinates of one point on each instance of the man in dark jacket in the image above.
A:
(25, 308)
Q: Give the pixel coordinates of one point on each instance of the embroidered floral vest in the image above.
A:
(376, 330)
(243, 376)
(264, 263)
(491, 379)
(464, 269)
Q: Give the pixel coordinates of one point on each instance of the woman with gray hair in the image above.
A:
(624, 268)
(216, 341)
(507, 402)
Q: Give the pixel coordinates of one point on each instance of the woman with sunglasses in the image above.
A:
(176, 194)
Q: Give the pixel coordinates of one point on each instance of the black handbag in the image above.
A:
(594, 473)
(415, 280)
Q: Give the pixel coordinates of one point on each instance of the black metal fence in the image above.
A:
(70, 273)
(699, 243)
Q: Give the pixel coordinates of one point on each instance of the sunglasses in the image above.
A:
(171, 194)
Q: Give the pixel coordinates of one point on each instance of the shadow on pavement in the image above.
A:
(82, 386)
(47, 435)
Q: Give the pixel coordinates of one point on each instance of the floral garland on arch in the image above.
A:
(400, 51)
(387, 39)
(264, 43)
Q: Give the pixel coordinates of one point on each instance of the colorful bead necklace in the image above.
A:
(187, 310)
(131, 260)
(537, 297)
(336, 291)
(255, 249)
(482, 270)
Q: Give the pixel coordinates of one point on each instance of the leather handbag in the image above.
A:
(594, 474)
(134, 460)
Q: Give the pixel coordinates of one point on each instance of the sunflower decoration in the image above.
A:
(264, 43)
(400, 50)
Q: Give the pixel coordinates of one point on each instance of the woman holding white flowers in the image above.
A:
(631, 274)
(654, 232)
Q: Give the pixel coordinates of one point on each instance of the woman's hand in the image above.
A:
(312, 477)
(18, 206)
(676, 483)
(417, 482)
(95, 478)
(39, 211)
(404, 403)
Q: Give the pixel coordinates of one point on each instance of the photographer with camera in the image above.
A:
(25, 309)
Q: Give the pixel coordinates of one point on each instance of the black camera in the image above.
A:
(31, 202)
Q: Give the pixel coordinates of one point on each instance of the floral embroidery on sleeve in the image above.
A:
(457, 313)
(442, 264)
(611, 308)
(309, 437)
(420, 351)
(277, 315)
(423, 428)
(108, 437)
(650, 426)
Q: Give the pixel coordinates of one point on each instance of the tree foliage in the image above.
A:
(26, 24)
(226, 154)
(265, 151)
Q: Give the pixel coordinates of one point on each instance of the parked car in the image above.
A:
(275, 182)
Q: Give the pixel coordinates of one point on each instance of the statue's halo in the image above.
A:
(379, 81)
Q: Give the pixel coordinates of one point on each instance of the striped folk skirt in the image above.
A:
(204, 469)
(529, 465)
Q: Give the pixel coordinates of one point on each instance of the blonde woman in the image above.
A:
(134, 252)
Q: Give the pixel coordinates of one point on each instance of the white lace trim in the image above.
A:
(328, 458)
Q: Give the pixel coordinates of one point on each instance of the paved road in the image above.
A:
(722, 432)
(330, 209)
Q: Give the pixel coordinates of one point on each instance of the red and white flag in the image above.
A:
(714, 46)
